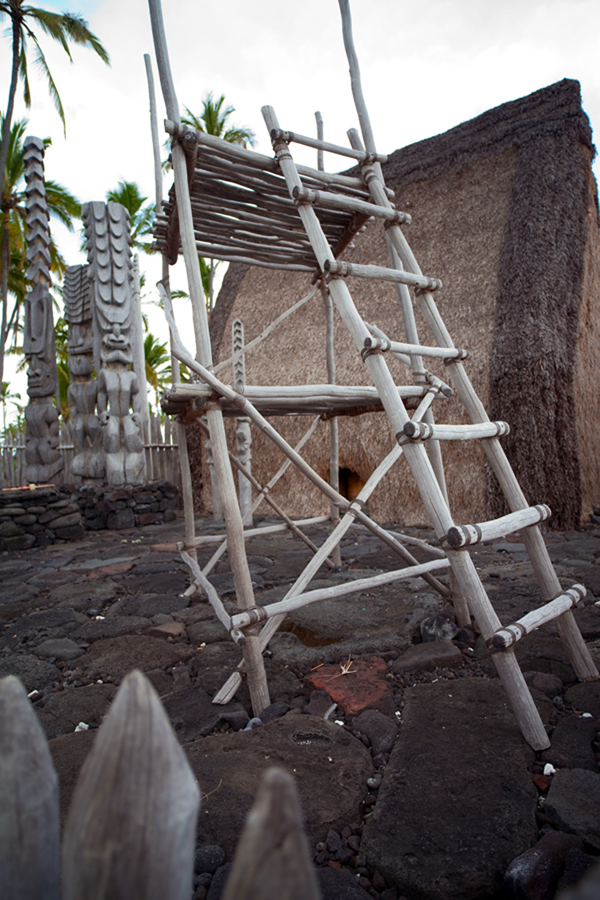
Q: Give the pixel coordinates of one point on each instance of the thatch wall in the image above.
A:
(504, 212)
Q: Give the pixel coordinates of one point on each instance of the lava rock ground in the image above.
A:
(427, 792)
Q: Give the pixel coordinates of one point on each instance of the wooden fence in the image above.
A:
(162, 459)
(131, 828)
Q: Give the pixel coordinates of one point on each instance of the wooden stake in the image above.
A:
(272, 858)
(131, 828)
(29, 823)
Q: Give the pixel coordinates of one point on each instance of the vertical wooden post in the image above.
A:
(334, 444)
(257, 681)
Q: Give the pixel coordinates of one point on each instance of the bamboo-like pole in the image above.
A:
(180, 432)
(579, 655)
(510, 634)
(266, 331)
(320, 161)
(334, 443)
(233, 682)
(418, 461)
(467, 535)
(283, 607)
(205, 540)
(257, 681)
(262, 493)
(250, 410)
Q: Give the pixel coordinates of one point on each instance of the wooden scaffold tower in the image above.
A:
(234, 204)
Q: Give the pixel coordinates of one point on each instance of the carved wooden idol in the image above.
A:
(87, 466)
(119, 399)
(42, 457)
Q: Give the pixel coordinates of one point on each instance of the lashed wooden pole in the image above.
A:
(257, 681)
(180, 432)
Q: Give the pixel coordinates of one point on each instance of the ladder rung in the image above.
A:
(291, 137)
(423, 431)
(339, 267)
(508, 635)
(327, 200)
(379, 345)
(460, 536)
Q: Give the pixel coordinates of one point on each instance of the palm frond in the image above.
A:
(40, 63)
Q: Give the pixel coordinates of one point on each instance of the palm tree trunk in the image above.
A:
(5, 265)
(16, 46)
(16, 43)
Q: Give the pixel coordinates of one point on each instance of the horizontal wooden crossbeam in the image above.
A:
(508, 635)
(461, 536)
(399, 276)
(422, 431)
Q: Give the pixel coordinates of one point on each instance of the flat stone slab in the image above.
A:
(34, 673)
(381, 609)
(573, 802)
(457, 803)
(355, 685)
(428, 656)
(148, 605)
(117, 656)
(83, 595)
(97, 629)
(329, 765)
(59, 648)
(61, 713)
(585, 697)
(160, 582)
(194, 715)
(30, 630)
(571, 746)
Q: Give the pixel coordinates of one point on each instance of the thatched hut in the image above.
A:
(505, 212)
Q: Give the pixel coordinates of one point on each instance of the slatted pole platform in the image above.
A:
(234, 204)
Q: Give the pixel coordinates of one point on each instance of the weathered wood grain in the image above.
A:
(29, 817)
(272, 859)
(131, 829)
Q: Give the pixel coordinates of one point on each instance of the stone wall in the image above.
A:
(128, 506)
(36, 518)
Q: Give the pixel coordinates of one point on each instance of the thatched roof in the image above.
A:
(505, 212)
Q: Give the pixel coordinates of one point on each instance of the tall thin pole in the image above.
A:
(257, 681)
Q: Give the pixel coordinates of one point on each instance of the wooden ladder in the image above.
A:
(414, 434)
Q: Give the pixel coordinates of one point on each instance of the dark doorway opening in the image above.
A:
(351, 484)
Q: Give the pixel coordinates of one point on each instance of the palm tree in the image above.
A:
(141, 218)
(213, 120)
(7, 397)
(158, 364)
(65, 28)
(13, 261)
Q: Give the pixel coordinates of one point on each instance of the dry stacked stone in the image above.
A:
(38, 517)
(128, 506)
(41, 516)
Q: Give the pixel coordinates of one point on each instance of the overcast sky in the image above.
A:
(427, 65)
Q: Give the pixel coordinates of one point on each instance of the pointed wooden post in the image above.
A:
(131, 829)
(29, 817)
(272, 858)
